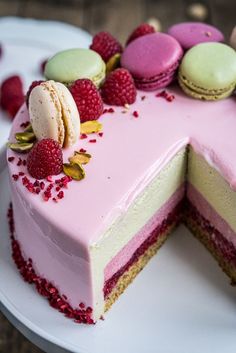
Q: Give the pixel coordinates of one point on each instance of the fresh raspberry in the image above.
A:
(140, 31)
(13, 107)
(45, 159)
(33, 84)
(87, 99)
(119, 88)
(12, 95)
(105, 45)
(10, 88)
(42, 66)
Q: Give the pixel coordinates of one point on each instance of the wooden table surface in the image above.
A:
(119, 17)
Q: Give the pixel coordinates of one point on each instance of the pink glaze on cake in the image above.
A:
(68, 272)
(145, 145)
(125, 254)
(56, 299)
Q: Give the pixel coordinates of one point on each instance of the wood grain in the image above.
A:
(9, 8)
(223, 15)
(119, 17)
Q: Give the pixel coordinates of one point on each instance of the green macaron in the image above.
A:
(73, 64)
(208, 71)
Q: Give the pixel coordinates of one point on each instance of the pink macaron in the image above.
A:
(189, 34)
(152, 60)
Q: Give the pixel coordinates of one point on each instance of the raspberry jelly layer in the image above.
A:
(223, 249)
(166, 215)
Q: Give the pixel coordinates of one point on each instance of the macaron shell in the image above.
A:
(70, 114)
(45, 113)
(210, 66)
(151, 55)
(100, 77)
(189, 34)
(72, 64)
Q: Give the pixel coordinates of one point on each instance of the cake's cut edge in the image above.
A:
(128, 276)
(221, 249)
(116, 285)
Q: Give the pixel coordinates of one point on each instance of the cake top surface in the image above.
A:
(128, 155)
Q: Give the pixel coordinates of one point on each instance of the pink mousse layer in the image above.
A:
(128, 250)
(131, 152)
(204, 208)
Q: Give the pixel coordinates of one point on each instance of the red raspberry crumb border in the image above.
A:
(82, 314)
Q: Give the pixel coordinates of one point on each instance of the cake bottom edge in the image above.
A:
(129, 275)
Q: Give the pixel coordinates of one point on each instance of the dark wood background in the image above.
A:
(119, 17)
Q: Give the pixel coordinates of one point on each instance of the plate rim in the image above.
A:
(30, 21)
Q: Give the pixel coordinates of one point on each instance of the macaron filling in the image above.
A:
(70, 114)
(100, 77)
(159, 81)
(202, 93)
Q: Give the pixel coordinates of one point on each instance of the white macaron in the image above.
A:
(54, 114)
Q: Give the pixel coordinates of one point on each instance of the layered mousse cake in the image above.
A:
(102, 172)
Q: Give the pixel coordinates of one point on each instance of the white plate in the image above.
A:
(181, 302)
(26, 43)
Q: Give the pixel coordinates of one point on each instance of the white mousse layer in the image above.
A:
(156, 194)
(213, 187)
